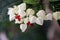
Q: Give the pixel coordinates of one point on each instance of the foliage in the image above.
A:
(53, 0)
(31, 1)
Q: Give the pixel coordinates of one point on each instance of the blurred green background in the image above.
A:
(32, 33)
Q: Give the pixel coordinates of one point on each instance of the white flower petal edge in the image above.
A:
(32, 19)
(41, 14)
(48, 16)
(30, 12)
(39, 21)
(22, 13)
(10, 11)
(22, 6)
(23, 27)
(11, 17)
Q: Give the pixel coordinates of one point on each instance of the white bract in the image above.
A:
(21, 9)
(10, 11)
(18, 22)
(30, 12)
(26, 20)
(11, 14)
(39, 21)
(15, 9)
(32, 19)
(11, 17)
(41, 13)
(22, 6)
(22, 13)
(56, 15)
(23, 27)
(48, 16)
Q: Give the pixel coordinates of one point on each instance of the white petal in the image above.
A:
(11, 17)
(26, 20)
(55, 15)
(22, 6)
(10, 11)
(32, 19)
(30, 12)
(39, 21)
(23, 27)
(41, 14)
(18, 22)
(22, 13)
(48, 16)
(15, 9)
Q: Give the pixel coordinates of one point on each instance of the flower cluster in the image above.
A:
(27, 17)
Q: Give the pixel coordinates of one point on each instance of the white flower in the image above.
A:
(48, 16)
(11, 17)
(10, 11)
(32, 19)
(39, 21)
(22, 13)
(41, 14)
(30, 12)
(23, 27)
(26, 20)
(11, 14)
(22, 6)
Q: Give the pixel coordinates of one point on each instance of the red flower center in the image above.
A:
(18, 17)
(29, 24)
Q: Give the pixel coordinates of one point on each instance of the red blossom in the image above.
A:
(29, 24)
(18, 17)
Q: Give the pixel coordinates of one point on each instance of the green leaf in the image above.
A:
(31, 1)
(53, 0)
